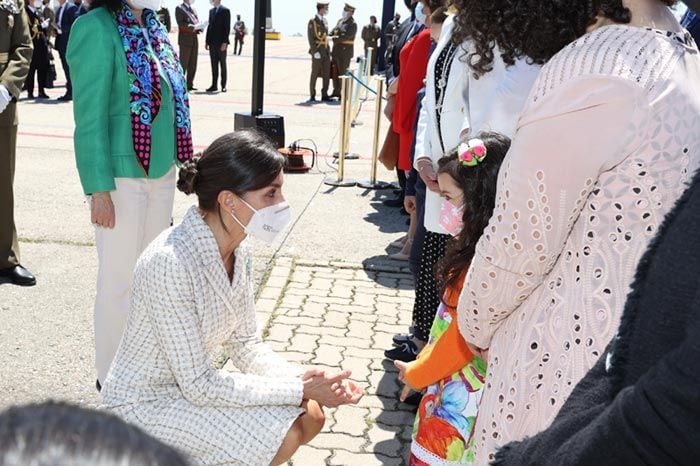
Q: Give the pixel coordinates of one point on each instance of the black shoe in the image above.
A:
(223, 89)
(19, 276)
(212, 89)
(401, 338)
(398, 202)
(312, 99)
(406, 352)
(30, 95)
(327, 98)
(42, 95)
(413, 399)
(65, 98)
(98, 385)
(190, 89)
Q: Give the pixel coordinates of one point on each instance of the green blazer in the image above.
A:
(103, 136)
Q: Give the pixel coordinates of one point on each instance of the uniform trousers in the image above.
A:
(9, 248)
(188, 59)
(320, 67)
(342, 55)
(143, 209)
(39, 66)
(238, 44)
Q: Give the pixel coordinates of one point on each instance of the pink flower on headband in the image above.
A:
(472, 152)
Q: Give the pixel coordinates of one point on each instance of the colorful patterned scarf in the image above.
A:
(145, 86)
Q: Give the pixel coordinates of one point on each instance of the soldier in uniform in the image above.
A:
(188, 26)
(370, 36)
(320, 52)
(39, 66)
(15, 56)
(343, 45)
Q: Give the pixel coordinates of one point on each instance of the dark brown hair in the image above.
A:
(478, 185)
(439, 16)
(238, 162)
(535, 29)
(433, 4)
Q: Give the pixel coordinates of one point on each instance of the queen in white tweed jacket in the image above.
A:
(187, 310)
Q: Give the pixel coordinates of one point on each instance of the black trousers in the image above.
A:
(39, 66)
(66, 71)
(218, 60)
(237, 45)
(427, 293)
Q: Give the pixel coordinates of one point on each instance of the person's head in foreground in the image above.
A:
(52, 434)
(538, 29)
(467, 178)
(238, 182)
(437, 19)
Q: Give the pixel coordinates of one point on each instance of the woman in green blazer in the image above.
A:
(132, 125)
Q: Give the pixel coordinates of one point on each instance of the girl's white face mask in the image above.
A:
(266, 224)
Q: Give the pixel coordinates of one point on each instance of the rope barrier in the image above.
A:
(350, 73)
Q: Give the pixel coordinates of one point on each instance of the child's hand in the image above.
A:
(403, 367)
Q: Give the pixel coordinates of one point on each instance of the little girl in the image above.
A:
(449, 372)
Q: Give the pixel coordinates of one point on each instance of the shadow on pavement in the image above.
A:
(395, 417)
(388, 219)
(378, 263)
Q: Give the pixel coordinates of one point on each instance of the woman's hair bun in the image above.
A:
(187, 179)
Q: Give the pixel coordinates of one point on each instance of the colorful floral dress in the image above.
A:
(444, 426)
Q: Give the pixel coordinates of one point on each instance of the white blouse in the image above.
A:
(492, 102)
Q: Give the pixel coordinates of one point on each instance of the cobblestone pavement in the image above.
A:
(337, 315)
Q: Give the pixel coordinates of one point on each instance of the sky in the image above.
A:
(291, 16)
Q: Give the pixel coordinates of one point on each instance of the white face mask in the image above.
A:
(37, 4)
(266, 224)
(153, 5)
(346, 15)
(421, 17)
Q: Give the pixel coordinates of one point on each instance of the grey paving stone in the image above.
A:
(310, 456)
(351, 420)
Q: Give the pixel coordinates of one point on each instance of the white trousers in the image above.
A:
(143, 209)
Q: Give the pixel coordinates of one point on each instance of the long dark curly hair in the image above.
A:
(536, 29)
(478, 185)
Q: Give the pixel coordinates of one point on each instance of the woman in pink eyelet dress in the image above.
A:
(605, 146)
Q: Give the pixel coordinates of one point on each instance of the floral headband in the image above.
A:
(472, 152)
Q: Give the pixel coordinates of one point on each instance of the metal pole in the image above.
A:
(387, 15)
(345, 106)
(368, 69)
(372, 183)
(261, 13)
(350, 83)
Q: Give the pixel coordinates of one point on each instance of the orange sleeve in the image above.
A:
(440, 359)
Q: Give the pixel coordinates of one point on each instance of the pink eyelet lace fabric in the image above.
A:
(605, 146)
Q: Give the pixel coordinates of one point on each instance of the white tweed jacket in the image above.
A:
(184, 312)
